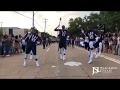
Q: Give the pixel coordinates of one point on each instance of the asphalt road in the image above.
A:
(51, 67)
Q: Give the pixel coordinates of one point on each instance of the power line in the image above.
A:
(38, 24)
(28, 17)
(23, 15)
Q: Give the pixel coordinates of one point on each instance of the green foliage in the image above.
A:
(110, 20)
(1, 33)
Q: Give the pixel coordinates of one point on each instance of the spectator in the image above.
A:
(110, 50)
(0, 45)
(6, 43)
(10, 44)
(16, 44)
(23, 45)
(49, 41)
(20, 43)
(114, 44)
(118, 44)
(72, 41)
(106, 43)
(44, 42)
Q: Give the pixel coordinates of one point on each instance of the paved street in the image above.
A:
(51, 67)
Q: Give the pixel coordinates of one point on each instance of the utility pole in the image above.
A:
(33, 19)
(45, 25)
(1, 27)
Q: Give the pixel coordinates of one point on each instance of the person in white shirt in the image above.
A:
(118, 44)
(96, 46)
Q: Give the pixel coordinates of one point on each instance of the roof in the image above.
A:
(11, 27)
(15, 28)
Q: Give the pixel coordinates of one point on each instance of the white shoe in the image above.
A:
(30, 56)
(37, 64)
(8, 55)
(24, 64)
(96, 56)
(90, 61)
(99, 55)
(63, 57)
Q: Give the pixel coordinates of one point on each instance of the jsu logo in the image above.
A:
(96, 70)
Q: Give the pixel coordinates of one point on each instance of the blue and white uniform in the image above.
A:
(31, 40)
(91, 36)
(62, 42)
(31, 44)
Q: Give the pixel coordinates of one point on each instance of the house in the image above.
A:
(14, 30)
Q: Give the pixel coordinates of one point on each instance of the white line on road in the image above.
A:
(106, 57)
(53, 66)
(111, 59)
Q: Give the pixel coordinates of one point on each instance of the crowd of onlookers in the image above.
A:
(111, 43)
(10, 44)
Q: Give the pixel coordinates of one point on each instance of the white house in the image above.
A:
(13, 30)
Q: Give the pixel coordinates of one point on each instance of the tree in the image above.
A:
(1, 33)
(109, 21)
(75, 26)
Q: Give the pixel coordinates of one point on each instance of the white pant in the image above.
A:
(91, 44)
(100, 46)
(62, 53)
